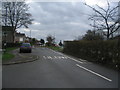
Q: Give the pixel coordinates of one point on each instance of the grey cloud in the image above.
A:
(65, 20)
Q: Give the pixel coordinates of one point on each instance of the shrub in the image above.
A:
(104, 52)
(11, 45)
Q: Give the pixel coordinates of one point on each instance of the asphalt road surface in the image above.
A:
(56, 70)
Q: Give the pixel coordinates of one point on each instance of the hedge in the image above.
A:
(11, 45)
(105, 52)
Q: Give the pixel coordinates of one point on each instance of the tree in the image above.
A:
(42, 41)
(50, 39)
(15, 14)
(60, 43)
(33, 41)
(105, 19)
(91, 35)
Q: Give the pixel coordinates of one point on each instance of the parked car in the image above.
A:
(26, 47)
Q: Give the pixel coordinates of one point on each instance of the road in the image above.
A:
(56, 70)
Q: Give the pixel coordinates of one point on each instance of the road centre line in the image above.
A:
(94, 73)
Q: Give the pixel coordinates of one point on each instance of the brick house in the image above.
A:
(20, 37)
(7, 34)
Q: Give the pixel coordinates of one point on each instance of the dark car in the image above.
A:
(26, 47)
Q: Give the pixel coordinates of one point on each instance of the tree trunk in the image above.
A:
(14, 29)
(108, 33)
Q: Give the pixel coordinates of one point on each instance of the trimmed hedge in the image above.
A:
(8, 45)
(105, 52)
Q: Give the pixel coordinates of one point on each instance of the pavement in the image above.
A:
(20, 58)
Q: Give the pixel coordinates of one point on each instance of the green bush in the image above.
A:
(105, 52)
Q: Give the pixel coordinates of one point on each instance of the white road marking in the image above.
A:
(49, 57)
(94, 73)
(75, 60)
(55, 57)
(44, 57)
(67, 56)
(82, 60)
(59, 57)
(63, 57)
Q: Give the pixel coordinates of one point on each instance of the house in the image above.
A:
(7, 34)
(28, 39)
(20, 37)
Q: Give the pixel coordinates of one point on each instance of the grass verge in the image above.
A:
(56, 48)
(7, 55)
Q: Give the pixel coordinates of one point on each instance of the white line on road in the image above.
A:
(49, 57)
(75, 60)
(94, 73)
(68, 57)
(55, 57)
(82, 60)
(44, 57)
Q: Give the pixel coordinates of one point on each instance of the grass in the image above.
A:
(10, 49)
(56, 48)
(0, 56)
(7, 55)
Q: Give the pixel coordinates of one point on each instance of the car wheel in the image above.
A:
(30, 51)
(20, 51)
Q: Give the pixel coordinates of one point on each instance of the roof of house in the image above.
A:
(7, 28)
(20, 34)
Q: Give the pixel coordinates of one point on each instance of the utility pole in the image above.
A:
(30, 36)
(30, 33)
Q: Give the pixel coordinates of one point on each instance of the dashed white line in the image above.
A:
(55, 57)
(44, 57)
(49, 57)
(68, 57)
(94, 73)
(63, 57)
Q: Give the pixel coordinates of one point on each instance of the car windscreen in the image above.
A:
(26, 45)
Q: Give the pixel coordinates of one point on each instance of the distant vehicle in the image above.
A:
(26, 47)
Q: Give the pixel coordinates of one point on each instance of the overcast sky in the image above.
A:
(64, 20)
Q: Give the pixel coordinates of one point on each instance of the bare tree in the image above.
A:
(50, 39)
(91, 35)
(15, 14)
(105, 19)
